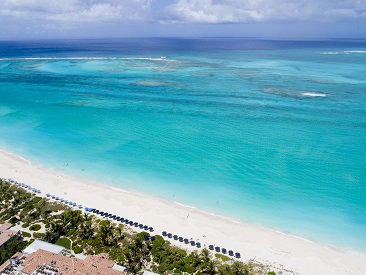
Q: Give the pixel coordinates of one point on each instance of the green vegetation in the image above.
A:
(65, 242)
(26, 235)
(78, 250)
(271, 273)
(90, 235)
(222, 257)
(11, 247)
(35, 227)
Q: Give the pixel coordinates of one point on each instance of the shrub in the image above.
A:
(37, 235)
(25, 225)
(13, 220)
(271, 273)
(35, 227)
(77, 250)
(26, 234)
(35, 200)
(222, 257)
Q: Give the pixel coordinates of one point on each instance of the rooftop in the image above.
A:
(6, 233)
(45, 262)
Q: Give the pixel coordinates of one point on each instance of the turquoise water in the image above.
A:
(267, 132)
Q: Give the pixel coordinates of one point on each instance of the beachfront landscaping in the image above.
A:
(84, 233)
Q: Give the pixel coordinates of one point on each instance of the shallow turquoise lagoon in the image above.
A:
(267, 132)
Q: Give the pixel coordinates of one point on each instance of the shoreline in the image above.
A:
(292, 254)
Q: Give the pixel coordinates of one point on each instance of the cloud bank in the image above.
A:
(249, 11)
(78, 10)
(185, 11)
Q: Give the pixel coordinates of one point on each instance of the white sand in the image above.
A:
(296, 255)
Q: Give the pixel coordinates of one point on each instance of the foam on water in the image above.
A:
(314, 94)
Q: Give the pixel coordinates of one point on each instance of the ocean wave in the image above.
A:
(91, 58)
(309, 94)
(354, 51)
(330, 53)
(184, 205)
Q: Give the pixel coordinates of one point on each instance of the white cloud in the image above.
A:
(78, 10)
(184, 11)
(244, 11)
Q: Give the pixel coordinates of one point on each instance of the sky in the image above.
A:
(297, 19)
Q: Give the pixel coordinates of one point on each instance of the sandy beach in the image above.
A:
(291, 254)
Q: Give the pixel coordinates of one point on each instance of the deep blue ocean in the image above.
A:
(267, 132)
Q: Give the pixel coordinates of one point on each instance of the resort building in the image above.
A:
(41, 261)
(7, 235)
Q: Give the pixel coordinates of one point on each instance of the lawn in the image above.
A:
(65, 242)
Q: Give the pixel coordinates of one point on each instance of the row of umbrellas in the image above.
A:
(74, 204)
(119, 219)
(181, 239)
(224, 251)
(129, 222)
(198, 244)
(25, 186)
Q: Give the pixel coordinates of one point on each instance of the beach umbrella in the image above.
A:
(131, 222)
(151, 229)
(186, 241)
(80, 206)
(180, 239)
(62, 200)
(126, 221)
(193, 243)
(170, 235)
(217, 249)
(223, 250)
(211, 247)
(153, 238)
(146, 236)
(175, 237)
(48, 194)
(74, 204)
(57, 198)
(141, 225)
(198, 244)
(122, 219)
(237, 255)
(231, 253)
(164, 233)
